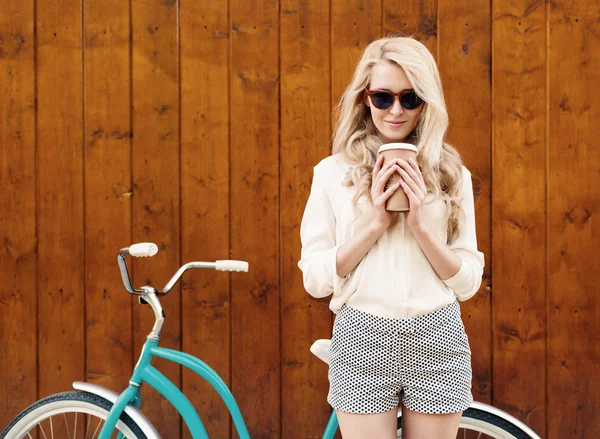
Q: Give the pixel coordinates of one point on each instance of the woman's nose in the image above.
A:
(396, 108)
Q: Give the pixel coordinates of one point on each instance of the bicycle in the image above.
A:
(108, 413)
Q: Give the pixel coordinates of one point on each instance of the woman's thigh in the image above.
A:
(378, 425)
(417, 425)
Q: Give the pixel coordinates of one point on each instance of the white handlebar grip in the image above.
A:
(143, 249)
(230, 265)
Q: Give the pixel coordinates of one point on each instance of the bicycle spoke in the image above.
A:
(43, 432)
(51, 428)
(470, 434)
(67, 425)
(97, 429)
(28, 434)
(75, 429)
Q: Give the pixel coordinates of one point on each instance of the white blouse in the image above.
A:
(395, 278)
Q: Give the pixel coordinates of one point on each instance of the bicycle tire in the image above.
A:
(493, 426)
(63, 403)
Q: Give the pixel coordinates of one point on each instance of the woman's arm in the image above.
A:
(445, 262)
(324, 264)
(459, 265)
(351, 253)
(317, 235)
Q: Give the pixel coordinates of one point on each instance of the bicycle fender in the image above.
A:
(133, 412)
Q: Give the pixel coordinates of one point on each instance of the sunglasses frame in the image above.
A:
(370, 94)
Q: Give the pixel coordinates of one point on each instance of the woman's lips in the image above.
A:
(395, 124)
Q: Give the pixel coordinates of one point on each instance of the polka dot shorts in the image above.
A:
(424, 360)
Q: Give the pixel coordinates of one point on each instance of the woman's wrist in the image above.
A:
(444, 262)
(351, 253)
(377, 228)
(420, 232)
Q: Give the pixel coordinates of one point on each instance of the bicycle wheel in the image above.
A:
(72, 415)
(478, 424)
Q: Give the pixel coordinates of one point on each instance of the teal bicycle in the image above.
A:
(92, 411)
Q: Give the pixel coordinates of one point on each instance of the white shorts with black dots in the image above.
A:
(424, 360)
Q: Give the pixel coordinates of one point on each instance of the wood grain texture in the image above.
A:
(254, 146)
(573, 228)
(108, 191)
(156, 201)
(414, 19)
(206, 310)
(519, 226)
(60, 196)
(185, 136)
(464, 61)
(18, 264)
(354, 24)
(305, 140)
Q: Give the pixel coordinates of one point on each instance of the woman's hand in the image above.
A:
(381, 174)
(414, 186)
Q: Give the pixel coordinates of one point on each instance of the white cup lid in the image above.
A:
(388, 146)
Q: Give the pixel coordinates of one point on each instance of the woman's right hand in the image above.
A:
(381, 173)
(350, 253)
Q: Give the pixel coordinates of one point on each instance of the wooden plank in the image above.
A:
(354, 24)
(519, 299)
(156, 207)
(573, 228)
(254, 147)
(18, 267)
(108, 192)
(206, 310)
(415, 19)
(305, 140)
(61, 276)
(518, 228)
(464, 60)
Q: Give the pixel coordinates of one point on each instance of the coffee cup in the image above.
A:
(398, 201)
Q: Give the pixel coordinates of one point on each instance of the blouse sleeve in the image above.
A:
(319, 249)
(467, 281)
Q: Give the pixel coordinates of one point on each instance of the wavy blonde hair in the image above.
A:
(357, 139)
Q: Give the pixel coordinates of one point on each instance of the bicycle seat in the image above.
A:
(321, 349)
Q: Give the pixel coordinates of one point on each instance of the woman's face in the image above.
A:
(394, 123)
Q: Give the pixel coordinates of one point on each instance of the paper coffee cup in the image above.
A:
(398, 202)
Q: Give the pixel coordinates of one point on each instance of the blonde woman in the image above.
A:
(396, 279)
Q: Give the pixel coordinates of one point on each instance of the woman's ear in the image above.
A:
(366, 99)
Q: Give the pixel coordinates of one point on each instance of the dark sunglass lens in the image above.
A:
(382, 100)
(410, 101)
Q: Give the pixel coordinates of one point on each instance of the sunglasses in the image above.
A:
(383, 100)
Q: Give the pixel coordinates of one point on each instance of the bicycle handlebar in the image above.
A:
(149, 249)
(231, 265)
(143, 249)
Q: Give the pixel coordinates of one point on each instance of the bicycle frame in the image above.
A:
(146, 373)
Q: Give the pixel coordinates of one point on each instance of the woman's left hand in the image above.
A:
(414, 186)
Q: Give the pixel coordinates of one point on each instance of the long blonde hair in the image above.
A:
(356, 136)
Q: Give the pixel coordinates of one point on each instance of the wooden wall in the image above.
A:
(195, 124)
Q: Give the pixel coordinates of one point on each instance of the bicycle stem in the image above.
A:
(151, 299)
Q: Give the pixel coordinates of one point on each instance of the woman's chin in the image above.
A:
(393, 137)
